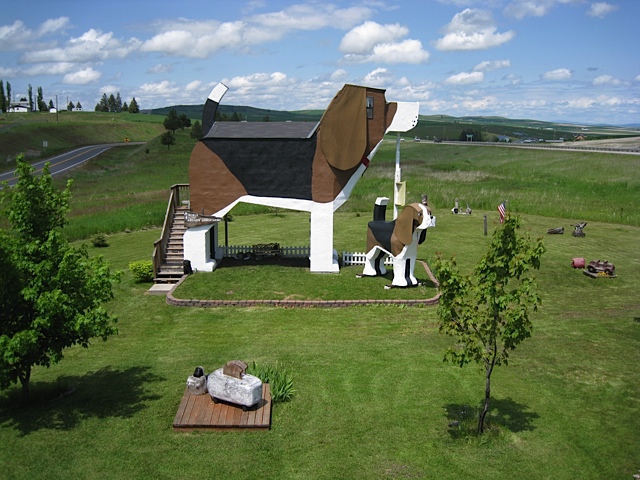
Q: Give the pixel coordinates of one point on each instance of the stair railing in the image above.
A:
(179, 194)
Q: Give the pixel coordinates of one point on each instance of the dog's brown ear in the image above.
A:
(342, 136)
(404, 225)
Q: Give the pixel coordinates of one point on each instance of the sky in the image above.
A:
(551, 60)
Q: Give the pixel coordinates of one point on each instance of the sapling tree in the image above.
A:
(488, 312)
(52, 293)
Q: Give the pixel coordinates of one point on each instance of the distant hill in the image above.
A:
(446, 127)
(250, 114)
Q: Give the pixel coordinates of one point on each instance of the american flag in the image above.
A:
(502, 208)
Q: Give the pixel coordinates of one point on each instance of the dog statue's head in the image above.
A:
(413, 217)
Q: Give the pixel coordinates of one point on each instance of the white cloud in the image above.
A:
(13, 36)
(82, 77)
(528, 8)
(601, 9)
(339, 75)
(93, 45)
(161, 68)
(637, 79)
(375, 43)
(201, 39)
(558, 74)
(160, 88)
(53, 25)
(465, 78)
(472, 29)
(363, 38)
(606, 80)
(489, 66)
(513, 79)
(378, 77)
(192, 86)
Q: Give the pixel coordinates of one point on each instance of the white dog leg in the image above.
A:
(374, 264)
(322, 257)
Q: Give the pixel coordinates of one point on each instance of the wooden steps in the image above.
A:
(173, 268)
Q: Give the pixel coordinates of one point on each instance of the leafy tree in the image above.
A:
(133, 106)
(112, 103)
(42, 105)
(236, 117)
(488, 313)
(78, 106)
(3, 99)
(118, 103)
(51, 104)
(196, 130)
(185, 122)
(70, 106)
(168, 139)
(9, 95)
(30, 93)
(104, 103)
(125, 107)
(52, 292)
(172, 121)
(266, 118)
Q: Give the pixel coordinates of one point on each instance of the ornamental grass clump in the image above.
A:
(276, 376)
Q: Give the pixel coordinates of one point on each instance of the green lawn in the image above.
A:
(373, 397)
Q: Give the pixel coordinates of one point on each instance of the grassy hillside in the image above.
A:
(25, 133)
(129, 188)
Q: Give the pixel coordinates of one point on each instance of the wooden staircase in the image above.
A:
(168, 255)
(172, 268)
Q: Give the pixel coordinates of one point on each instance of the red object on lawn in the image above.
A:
(577, 263)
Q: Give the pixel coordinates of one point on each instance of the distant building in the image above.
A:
(21, 106)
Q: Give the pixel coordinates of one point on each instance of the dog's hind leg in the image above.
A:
(374, 263)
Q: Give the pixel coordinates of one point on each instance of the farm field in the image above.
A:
(373, 397)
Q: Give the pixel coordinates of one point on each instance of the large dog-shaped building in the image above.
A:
(293, 165)
(398, 239)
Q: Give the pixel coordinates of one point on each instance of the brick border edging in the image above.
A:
(179, 302)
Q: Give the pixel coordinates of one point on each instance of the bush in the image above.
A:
(279, 380)
(142, 270)
(100, 240)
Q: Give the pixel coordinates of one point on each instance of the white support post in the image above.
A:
(398, 179)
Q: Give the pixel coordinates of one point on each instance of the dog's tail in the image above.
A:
(211, 107)
(380, 209)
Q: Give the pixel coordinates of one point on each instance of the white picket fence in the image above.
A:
(286, 252)
(359, 258)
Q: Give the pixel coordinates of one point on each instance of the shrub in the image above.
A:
(100, 240)
(279, 380)
(142, 270)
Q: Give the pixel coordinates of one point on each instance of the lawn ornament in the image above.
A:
(456, 209)
(197, 383)
(555, 231)
(577, 262)
(578, 229)
(293, 165)
(398, 239)
(232, 384)
(600, 268)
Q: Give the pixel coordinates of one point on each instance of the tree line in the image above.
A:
(114, 104)
(111, 103)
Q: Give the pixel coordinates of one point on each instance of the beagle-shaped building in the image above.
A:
(398, 239)
(292, 165)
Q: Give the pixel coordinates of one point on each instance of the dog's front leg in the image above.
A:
(323, 258)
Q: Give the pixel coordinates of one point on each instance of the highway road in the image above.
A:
(66, 161)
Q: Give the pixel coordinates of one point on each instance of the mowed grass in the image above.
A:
(128, 188)
(373, 397)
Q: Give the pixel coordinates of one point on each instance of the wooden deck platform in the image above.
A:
(199, 412)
